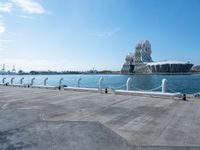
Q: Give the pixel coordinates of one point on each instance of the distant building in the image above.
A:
(141, 62)
(3, 70)
(13, 71)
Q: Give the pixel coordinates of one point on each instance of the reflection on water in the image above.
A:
(181, 83)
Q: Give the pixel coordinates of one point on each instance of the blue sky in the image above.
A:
(86, 34)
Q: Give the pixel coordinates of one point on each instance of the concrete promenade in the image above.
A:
(32, 118)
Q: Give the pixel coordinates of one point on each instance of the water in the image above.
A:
(182, 83)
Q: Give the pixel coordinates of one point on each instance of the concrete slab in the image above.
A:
(142, 121)
(63, 135)
(15, 118)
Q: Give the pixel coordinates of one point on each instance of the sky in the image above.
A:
(81, 35)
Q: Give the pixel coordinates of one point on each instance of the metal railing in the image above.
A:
(128, 86)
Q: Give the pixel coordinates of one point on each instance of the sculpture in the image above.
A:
(143, 52)
(141, 62)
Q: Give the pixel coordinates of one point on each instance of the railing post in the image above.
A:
(100, 83)
(3, 80)
(11, 80)
(128, 84)
(21, 80)
(78, 82)
(60, 81)
(32, 81)
(164, 86)
(45, 81)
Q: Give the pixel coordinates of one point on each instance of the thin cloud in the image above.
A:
(108, 33)
(1, 49)
(26, 17)
(32, 64)
(23, 62)
(26, 8)
(2, 28)
(6, 7)
(2, 40)
(29, 6)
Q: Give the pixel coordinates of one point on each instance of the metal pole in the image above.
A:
(21, 80)
(45, 81)
(78, 82)
(60, 81)
(100, 83)
(164, 86)
(3, 80)
(11, 80)
(32, 81)
(128, 84)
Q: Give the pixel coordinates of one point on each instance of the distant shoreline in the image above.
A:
(114, 73)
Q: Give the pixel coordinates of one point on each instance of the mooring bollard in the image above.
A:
(100, 83)
(32, 81)
(11, 80)
(164, 86)
(21, 80)
(184, 97)
(128, 84)
(45, 81)
(3, 80)
(78, 82)
(106, 91)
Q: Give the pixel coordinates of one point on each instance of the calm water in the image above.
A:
(182, 83)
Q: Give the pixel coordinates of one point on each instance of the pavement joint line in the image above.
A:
(103, 108)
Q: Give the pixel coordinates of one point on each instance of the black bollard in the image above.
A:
(106, 91)
(184, 97)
